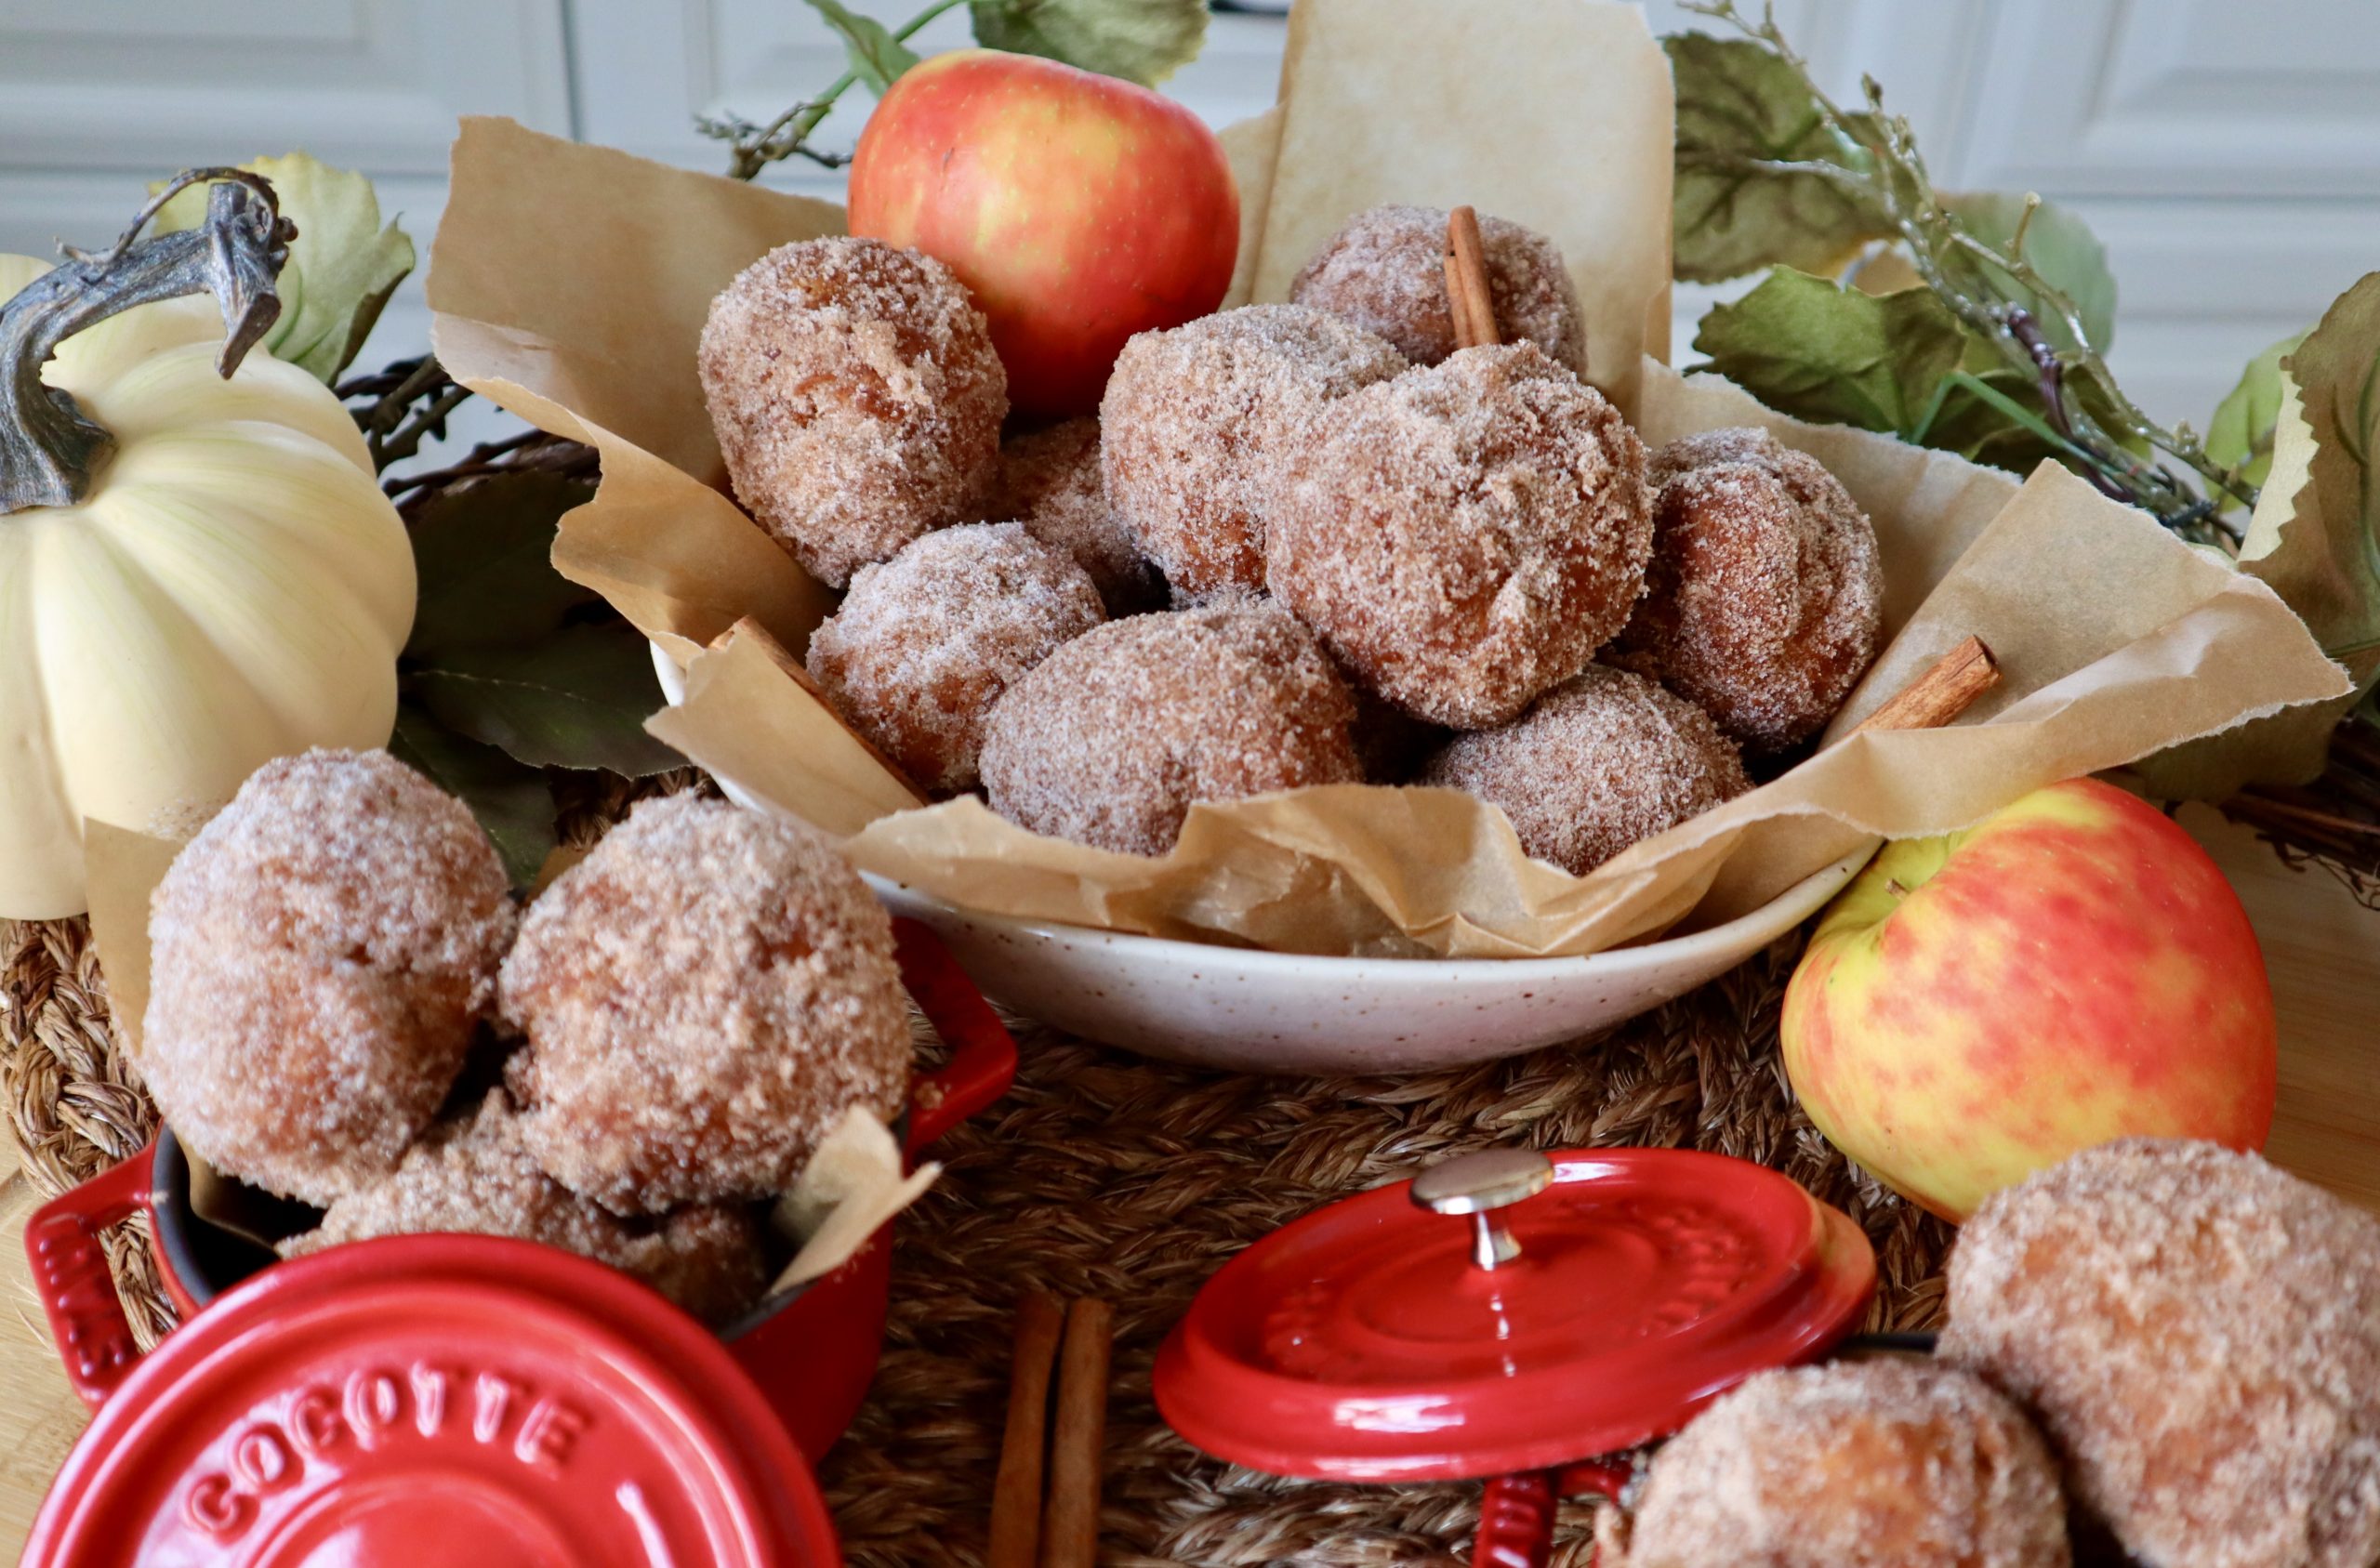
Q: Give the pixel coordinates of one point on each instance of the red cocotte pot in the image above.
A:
(461, 1400)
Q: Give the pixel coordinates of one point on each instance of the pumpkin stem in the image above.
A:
(50, 448)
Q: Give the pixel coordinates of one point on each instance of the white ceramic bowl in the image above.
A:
(1277, 1012)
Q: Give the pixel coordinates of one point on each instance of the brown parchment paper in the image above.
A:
(1555, 114)
(613, 365)
(125, 868)
(853, 1184)
(2116, 641)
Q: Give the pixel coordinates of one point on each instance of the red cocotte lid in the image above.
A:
(459, 1399)
(1571, 1306)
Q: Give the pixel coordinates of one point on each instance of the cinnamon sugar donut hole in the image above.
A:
(2198, 1332)
(1600, 761)
(1195, 418)
(1465, 536)
(473, 1174)
(321, 955)
(856, 397)
(1050, 481)
(707, 1257)
(1385, 271)
(704, 995)
(1114, 736)
(926, 642)
(1762, 602)
(1872, 1464)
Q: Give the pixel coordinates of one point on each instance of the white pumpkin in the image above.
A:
(234, 587)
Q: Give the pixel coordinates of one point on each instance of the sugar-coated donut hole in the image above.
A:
(1763, 601)
(472, 1174)
(321, 954)
(1049, 480)
(1600, 761)
(703, 997)
(856, 397)
(2198, 1332)
(1384, 271)
(1112, 738)
(1876, 1464)
(1194, 422)
(925, 644)
(1465, 536)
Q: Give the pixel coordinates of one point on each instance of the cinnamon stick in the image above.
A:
(1016, 1493)
(1077, 1445)
(778, 656)
(1468, 298)
(1947, 689)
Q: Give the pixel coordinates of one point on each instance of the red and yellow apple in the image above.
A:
(1976, 1006)
(1080, 210)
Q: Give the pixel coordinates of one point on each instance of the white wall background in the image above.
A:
(2227, 150)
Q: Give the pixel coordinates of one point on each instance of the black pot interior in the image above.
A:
(206, 1258)
(209, 1261)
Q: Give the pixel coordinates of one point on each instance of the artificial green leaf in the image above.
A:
(482, 555)
(509, 799)
(576, 699)
(1740, 103)
(876, 57)
(1144, 41)
(1981, 429)
(1809, 349)
(1988, 413)
(2241, 434)
(342, 267)
(2315, 537)
(2061, 247)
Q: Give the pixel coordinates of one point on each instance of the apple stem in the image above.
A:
(1892, 885)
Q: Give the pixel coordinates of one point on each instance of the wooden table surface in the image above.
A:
(2323, 949)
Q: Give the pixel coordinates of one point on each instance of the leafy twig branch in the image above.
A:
(2000, 296)
(753, 148)
(408, 404)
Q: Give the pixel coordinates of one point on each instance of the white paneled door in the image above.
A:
(100, 96)
(2229, 154)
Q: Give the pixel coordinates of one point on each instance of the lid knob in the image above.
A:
(1478, 1185)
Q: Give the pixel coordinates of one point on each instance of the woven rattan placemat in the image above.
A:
(1105, 1175)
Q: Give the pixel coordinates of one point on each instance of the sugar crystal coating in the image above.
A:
(1049, 480)
(1195, 419)
(473, 1174)
(707, 1257)
(857, 398)
(1875, 1464)
(1763, 599)
(1600, 761)
(704, 995)
(1114, 736)
(321, 955)
(924, 643)
(1385, 271)
(2198, 1332)
(1465, 536)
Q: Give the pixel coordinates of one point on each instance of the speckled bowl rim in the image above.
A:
(1768, 921)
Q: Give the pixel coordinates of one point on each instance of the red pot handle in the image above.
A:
(1516, 1511)
(983, 1056)
(1515, 1522)
(71, 1273)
